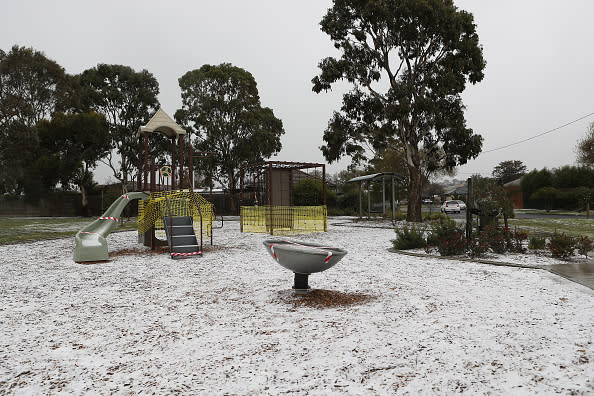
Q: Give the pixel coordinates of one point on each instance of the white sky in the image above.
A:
(539, 62)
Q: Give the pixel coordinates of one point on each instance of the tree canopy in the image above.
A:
(32, 88)
(507, 171)
(408, 62)
(127, 99)
(221, 108)
(70, 146)
(585, 148)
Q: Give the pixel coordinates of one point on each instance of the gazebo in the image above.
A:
(376, 178)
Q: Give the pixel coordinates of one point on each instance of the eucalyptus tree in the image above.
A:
(221, 108)
(408, 62)
(585, 148)
(127, 99)
(70, 147)
(32, 88)
(507, 171)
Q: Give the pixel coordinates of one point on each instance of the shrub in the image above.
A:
(562, 245)
(447, 236)
(435, 216)
(496, 238)
(478, 246)
(409, 237)
(399, 216)
(583, 245)
(515, 240)
(536, 242)
(452, 244)
(441, 228)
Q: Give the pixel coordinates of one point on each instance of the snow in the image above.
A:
(225, 323)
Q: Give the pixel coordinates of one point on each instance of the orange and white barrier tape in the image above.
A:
(175, 254)
(109, 218)
(88, 232)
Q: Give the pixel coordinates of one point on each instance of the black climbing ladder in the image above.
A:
(181, 237)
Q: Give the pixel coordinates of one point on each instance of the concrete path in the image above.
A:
(579, 273)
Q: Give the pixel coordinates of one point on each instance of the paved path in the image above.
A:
(579, 273)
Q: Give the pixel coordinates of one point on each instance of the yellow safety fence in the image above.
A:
(152, 211)
(284, 220)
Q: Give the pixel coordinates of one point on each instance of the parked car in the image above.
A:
(427, 201)
(450, 206)
(462, 204)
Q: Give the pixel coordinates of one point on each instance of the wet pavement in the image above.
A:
(580, 273)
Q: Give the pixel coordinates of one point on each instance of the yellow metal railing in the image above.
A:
(284, 220)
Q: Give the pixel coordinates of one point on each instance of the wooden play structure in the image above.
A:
(173, 213)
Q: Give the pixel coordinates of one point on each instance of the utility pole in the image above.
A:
(469, 207)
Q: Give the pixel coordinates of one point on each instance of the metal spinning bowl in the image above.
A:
(303, 258)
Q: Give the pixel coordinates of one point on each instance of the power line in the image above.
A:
(540, 134)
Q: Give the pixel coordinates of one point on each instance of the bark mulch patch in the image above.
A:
(320, 299)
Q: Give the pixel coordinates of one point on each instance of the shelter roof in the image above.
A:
(283, 165)
(162, 123)
(376, 177)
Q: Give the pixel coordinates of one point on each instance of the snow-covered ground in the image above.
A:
(227, 323)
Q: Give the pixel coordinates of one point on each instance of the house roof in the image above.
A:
(459, 189)
(162, 123)
(513, 183)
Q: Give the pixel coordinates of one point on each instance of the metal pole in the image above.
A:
(269, 193)
(324, 192)
(468, 209)
(384, 194)
(360, 199)
(368, 201)
(191, 168)
(210, 174)
(240, 200)
(181, 162)
(146, 162)
(139, 172)
(392, 206)
(172, 163)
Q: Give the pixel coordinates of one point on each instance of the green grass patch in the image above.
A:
(575, 227)
(28, 229)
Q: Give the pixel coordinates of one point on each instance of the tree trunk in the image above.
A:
(414, 195)
(232, 194)
(84, 200)
(124, 175)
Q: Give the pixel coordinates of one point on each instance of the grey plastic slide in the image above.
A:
(91, 244)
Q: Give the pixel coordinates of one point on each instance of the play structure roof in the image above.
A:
(376, 177)
(162, 123)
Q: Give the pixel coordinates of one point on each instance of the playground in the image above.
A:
(228, 322)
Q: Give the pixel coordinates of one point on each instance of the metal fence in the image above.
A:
(284, 220)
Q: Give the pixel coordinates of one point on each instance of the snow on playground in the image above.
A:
(228, 323)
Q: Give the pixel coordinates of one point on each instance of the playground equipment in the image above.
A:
(90, 242)
(268, 186)
(167, 213)
(303, 259)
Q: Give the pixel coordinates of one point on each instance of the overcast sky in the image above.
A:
(539, 74)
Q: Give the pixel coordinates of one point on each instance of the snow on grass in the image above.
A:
(228, 322)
